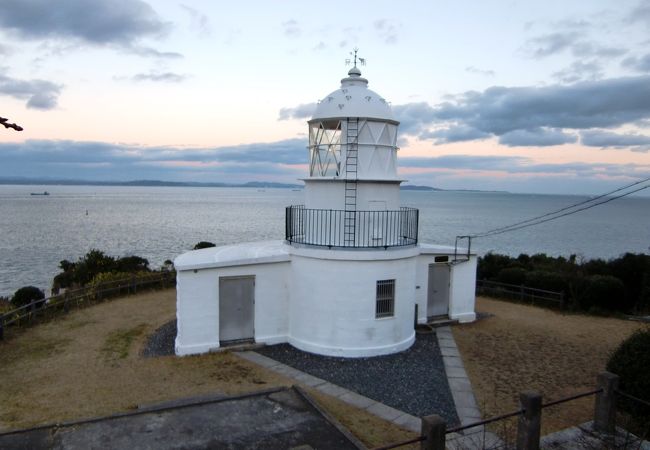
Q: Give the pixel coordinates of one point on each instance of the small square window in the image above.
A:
(385, 306)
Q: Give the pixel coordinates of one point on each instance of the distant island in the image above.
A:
(156, 183)
(162, 183)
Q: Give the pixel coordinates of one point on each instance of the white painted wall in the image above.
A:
(319, 300)
(198, 305)
(462, 291)
(333, 302)
(462, 287)
(331, 195)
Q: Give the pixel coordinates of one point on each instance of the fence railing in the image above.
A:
(354, 229)
(520, 293)
(435, 434)
(50, 306)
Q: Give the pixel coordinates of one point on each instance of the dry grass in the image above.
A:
(529, 348)
(371, 430)
(88, 363)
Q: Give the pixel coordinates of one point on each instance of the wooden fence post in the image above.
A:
(528, 428)
(2, 327)
(434, 429)
(605, 408)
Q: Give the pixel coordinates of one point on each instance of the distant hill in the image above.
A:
(68, 182)
(413, 187)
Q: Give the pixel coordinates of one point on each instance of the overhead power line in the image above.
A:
(567, 210)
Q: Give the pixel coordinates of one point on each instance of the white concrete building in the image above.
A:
(350, 279)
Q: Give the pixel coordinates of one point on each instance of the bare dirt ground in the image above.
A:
(524, 348)
(88, 363)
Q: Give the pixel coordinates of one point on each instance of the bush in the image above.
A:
(203, 244)
(549, 281)
(512, 275)
(630, 362)
(82, 272)
(603, 292)
(26, 295)
(5, 305)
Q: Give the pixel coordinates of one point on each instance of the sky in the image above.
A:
(524, 96)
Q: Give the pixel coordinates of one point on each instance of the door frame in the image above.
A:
(430, 267)
(231, 278)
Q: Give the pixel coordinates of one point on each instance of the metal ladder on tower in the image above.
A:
(351, 160)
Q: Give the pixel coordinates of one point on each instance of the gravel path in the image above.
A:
(413, 381)
(161, 342)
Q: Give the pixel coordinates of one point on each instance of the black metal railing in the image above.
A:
(373, 229)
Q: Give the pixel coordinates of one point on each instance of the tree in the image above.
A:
(26, 295)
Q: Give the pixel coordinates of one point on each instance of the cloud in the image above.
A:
(290, 151)
(414, 118)
(117, 23)
(640, 64)
(641, 13)
(40, 94)
(97, 22)
(199, 22)
(578, 71)
(149, 52)
(165, 77)
(573, 41)
(518, 165)
(291, 28)
(599, 138)
(477, 71)
(303, 111)
(387, 30)
(500, 110)
(551, 43)
(459, 133)
(474, 162)
(537, 137)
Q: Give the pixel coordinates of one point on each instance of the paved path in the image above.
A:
(277, 418)
(460, 386)
(378, 409)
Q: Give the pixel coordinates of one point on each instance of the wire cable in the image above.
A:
(591, 200)
(555, 215)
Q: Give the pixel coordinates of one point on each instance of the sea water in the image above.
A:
(159, 223)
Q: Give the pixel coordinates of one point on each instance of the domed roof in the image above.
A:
(353, 99)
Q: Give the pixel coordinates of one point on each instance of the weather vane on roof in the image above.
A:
(362, 61)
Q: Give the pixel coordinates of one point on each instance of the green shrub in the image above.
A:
(603, 292)
(5, 305)
(549, 281)
(82, 272)
(630, 362)
(512, 275)
(26, 295)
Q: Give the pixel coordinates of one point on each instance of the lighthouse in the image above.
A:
(350, 278)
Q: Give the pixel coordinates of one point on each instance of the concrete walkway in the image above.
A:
(380, 410)
(459, 384)
(461, 391)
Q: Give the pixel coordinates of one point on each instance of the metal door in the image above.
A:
(236, 308)
(438, 290)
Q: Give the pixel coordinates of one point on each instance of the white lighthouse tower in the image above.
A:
(350, 279)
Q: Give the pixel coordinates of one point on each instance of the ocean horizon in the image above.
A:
(159, 223)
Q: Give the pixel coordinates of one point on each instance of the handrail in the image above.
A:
(351, 229)
(39, 306)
